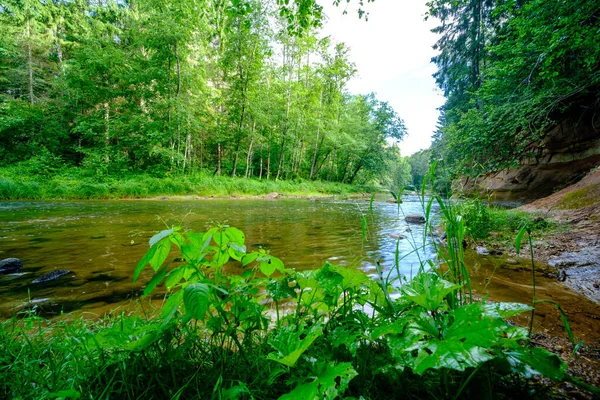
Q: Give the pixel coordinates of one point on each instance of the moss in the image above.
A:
(585, 197)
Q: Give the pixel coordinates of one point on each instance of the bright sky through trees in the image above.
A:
(392, 52)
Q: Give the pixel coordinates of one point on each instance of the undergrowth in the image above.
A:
(499, 224)
(17, 184)
(239, 325)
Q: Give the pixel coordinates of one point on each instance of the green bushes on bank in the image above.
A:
(16, 184)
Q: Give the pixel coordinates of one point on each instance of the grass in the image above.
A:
(19, 184)
(499, 226)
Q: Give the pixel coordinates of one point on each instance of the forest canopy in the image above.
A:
(509, 70)
(239, 88)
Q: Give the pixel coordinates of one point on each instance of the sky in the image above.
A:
(392, 52)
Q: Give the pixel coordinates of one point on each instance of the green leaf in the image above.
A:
(171, 305)
(529, 362)
(519, 239)
(156, 279)
(428, 290)
(280, 289)
(289, 344)
(155, 257)
(159, 236)
(175, 276)
(331, 382)
(249, 258)
(271, 264)
(195, 299)
(235, 235)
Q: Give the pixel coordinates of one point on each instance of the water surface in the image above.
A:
(102, 241)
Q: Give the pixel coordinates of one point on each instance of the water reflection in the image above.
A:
(101, 241)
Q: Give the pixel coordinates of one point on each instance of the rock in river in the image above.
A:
(51, 276)
(10, 265)
(415, 219)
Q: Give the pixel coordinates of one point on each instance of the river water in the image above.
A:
(102, 241)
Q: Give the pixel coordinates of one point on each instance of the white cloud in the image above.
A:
(392, 52)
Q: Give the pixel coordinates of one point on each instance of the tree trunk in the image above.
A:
(332, 164)
(269, 157)
(218, 170)
(249, 156)
(106, 133)
(29, 61)
(316, 149)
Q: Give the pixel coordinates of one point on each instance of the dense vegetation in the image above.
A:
(246, 89)
(509, 69)
(238, 325)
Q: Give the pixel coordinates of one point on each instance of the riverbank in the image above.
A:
(565, 235)
(74, 184)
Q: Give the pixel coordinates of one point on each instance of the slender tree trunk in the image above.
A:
(178, 69)
(316, 149)
(29, 61)
(261, 164)
(285, 128)
(106, 133)
(318, 170)
(332, 164)
(269, 157)
(218, 171)
(249, 156)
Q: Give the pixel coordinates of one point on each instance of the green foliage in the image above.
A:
(231, 88)
(17, 183)
(431, 340)
(510, 70)
(481, 220)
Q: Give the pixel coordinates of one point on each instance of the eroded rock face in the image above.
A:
(569, 150)
(10, 265)
(51, 276)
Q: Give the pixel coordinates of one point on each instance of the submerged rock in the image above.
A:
(10, 265)
(415, 219)
(482, 251)
(51, 276)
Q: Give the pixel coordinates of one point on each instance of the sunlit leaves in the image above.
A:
(428, 290)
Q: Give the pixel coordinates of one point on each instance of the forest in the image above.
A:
(194, 204)
(509, 70)
(158, 87)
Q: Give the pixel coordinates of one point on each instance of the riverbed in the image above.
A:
(102, 241)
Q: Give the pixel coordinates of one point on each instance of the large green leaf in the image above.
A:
(428, 290)
(195, 299)
(156, 279)
(529, 362)
(235, 235)
(172, 304)
(156, 255)
(330, 383)
(271, 264)
(291, 341)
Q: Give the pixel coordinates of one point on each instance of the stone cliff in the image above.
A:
(568, 151)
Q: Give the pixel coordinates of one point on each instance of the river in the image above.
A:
(102, 241)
